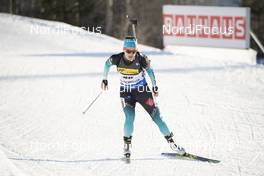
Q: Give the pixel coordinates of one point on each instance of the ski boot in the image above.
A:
(178, 149)
(127, 146)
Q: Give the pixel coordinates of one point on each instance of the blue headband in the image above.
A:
(130, 43)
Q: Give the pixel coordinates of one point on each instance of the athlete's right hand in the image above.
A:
(104, 84)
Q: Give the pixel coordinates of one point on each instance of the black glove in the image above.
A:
(104, 84)
(155, 90)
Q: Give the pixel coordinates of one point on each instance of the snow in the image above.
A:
(211, 98)
(7, 167)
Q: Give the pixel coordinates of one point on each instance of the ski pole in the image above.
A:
(88, 107)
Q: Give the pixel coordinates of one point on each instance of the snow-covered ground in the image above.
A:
(212, 99)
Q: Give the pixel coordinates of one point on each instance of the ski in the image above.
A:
(188, 156)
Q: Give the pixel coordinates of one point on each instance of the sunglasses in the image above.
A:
(128, 51)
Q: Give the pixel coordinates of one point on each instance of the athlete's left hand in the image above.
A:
(155, 91)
